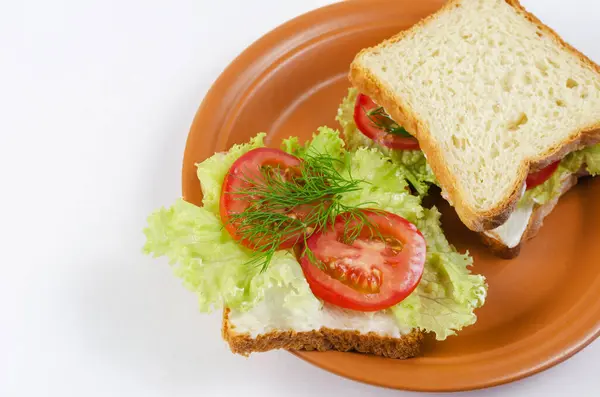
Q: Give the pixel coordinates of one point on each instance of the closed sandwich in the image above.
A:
(503, 112)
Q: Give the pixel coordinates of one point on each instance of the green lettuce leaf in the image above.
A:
(444, 300)
(384, 185)
(572, 163)
(324, 141)
(548, 190)
(592, 159)
(211, 171)
(414, 164)
(292, 145)
(589, 156)
(214, 266)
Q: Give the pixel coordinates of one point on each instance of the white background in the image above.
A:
(96, 98)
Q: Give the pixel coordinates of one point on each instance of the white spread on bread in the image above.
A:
(272, 314)
(511, 232)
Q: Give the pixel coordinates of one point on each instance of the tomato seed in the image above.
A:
(377, 273)
(365, 283)
(374, 285)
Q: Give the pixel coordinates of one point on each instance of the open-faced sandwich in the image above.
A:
(317, 247)
(488, 103)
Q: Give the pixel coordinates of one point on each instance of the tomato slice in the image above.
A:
(247, 175)
(374, 123)
(380, 268)
(537, 178)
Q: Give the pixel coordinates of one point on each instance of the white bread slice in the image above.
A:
(326, 328)
(491, 93)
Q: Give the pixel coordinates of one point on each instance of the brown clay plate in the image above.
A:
(542, 307)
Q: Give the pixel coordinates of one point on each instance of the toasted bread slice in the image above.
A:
(491, 94)
(357, 331)
(536, 221)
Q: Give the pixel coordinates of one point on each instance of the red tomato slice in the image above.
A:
(246, 174)
(378, 127)
(376, 271)
(537, 178)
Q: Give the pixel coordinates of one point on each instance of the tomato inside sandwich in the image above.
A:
(537, 178)
(367, 263)
(372, 120)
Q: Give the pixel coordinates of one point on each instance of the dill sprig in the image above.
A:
(315, 190)
(380, 119)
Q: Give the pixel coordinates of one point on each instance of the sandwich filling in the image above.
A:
(511, 232)
(421, 176)
(277, 295)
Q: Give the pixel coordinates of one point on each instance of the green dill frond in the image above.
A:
(315, 189)
(380, 119)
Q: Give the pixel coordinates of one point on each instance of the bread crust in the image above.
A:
(324, 339)
(536, 221)
(474, 219)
